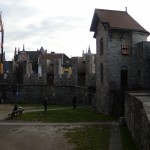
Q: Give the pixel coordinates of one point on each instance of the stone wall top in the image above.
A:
(144, 97)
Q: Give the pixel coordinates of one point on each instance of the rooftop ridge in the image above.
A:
(111, 10)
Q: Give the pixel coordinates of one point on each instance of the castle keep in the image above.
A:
(122, 57)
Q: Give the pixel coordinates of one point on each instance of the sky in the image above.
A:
(61, 26)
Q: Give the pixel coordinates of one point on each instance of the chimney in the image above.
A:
(126, 9)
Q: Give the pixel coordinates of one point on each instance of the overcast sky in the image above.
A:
(60, 25)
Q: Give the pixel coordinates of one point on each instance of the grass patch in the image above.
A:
(127, 140)
(66, 115)
(90, 137)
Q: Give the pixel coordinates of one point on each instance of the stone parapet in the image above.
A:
(137, 114)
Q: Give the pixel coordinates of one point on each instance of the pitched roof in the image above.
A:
(115, 20)
(55, 56)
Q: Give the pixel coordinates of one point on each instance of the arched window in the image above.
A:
(101, 46)
(101, 72)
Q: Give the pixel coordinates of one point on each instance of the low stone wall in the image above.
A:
(137, 121)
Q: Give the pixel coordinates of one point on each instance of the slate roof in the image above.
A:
(115, 20)
(55, 56)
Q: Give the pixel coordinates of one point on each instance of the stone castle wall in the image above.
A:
(137, 122)
(57, 94)
(34, 79)
(101, 87)
(113, 62)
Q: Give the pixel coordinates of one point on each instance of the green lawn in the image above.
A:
(86, 138)
(66, 115)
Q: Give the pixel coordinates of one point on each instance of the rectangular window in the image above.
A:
(101, 72)
(65, 72)
(101, 46)
(125, 49)
(124, 79)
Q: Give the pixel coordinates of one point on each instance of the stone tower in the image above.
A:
(117, 35)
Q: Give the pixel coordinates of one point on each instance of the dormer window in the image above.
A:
(125, 49)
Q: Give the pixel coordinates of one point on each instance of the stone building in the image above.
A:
(85, 69)
(26, 66)
(40, 70)
(58, 69)
(143, 65)
(84, 73)
(89, 60)
(119, 63)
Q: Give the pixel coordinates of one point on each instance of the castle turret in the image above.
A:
(23, 48)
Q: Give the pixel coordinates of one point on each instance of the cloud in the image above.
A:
(58, 25)
(42, 22)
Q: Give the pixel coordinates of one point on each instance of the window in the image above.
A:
(125, 49)
(124, 77)
(101, 46)
(101, 72)
(139, 74)
(65, 72)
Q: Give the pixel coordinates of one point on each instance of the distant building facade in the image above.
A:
(54, 74)
(41, 68)
(122, 57)
(56, 69)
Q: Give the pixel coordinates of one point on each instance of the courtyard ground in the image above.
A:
(39, 136)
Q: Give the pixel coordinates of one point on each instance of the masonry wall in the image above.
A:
(102, 86)
(34, 79)
(90, 80)
(143, 67)
(117, 61)
(90, 70)
(137, 122)
(57, 94)
(63, 79)
(113, 62)
(136, 38)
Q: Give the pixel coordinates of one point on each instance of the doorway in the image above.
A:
(124, 78)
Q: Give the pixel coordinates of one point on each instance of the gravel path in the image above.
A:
(5, 109)
(31, 136)
(115, 139)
